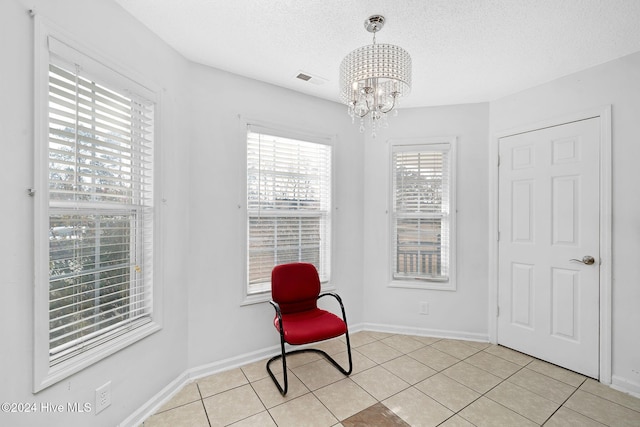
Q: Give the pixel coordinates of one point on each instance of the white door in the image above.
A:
(548, 290)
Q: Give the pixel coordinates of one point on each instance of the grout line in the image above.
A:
(206, 414)
(484, 394)
(597, 397)
(565, 401)
(606, 398)
(181, 405)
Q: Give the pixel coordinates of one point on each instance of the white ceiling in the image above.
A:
(463, 51)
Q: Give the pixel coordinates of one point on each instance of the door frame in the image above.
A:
(604, 113)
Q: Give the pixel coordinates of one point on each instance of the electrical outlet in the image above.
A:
(103, 396)
(424, 307)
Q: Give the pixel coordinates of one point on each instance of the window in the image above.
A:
(289, 206)
(97, 212)
(423, 220)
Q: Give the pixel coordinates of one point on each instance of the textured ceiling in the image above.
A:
(463, 51)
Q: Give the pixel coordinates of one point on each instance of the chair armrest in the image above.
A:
(337, 297)
(276, 306)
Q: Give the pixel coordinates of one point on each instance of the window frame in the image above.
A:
(424, 145)
(47, 38)
(281, 131)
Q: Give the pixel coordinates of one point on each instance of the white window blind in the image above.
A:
(100, 210)
(289, 206)
(421, 229)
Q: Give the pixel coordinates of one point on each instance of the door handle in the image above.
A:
(587, 260)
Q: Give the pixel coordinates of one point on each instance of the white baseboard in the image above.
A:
(231, 363)
(152, 405)
(423, 332)
(625, 385)
(188, 376)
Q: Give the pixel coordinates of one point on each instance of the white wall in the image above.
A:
(460, 313)
(219, 327)
(139, 372)
(616, 83)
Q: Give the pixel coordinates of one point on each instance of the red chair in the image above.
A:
(295, 289)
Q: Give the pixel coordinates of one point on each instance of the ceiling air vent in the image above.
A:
(313, 79)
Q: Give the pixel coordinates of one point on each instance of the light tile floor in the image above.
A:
(401, 380)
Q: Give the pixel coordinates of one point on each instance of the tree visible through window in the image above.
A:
(100, 212)
(288, 202)
(422, 203)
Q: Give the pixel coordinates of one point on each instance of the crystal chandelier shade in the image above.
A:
(373, 77)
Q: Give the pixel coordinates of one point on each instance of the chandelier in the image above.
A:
(373, 77)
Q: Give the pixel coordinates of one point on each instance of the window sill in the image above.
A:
(424, 284)
(257, 298)
(88, 358)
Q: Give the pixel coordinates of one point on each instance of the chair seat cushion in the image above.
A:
(310, 326)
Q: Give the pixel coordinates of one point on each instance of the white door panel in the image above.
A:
(549, 216)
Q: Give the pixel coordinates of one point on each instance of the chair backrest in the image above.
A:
(295, 287)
